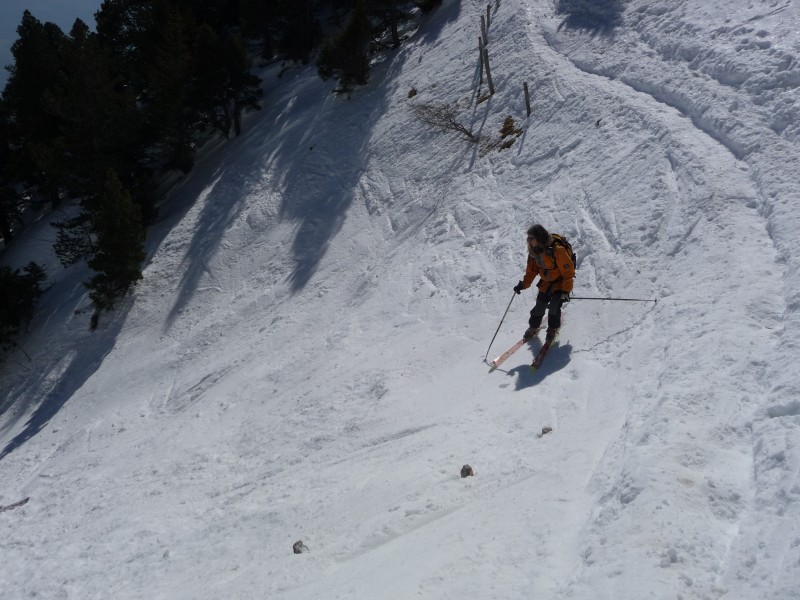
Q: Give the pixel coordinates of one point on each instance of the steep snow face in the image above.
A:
(733, 71)
(303, 359)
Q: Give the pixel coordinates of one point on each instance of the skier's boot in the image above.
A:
(529, 333)
(551, 334)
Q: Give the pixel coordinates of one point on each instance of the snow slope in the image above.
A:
(303, 359)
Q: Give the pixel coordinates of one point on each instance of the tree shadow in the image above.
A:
(597, 16)
(218, 212)
(318, 154)
(219, 183)
(321, 157)
(431, 25)
(321, 161)
(59, 370)
(57, 381)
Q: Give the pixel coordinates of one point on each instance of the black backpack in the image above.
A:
(562, 241)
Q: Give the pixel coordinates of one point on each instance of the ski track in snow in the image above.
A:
(642, 81)
(303, 359)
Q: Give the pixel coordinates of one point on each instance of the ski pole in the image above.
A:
(499, 326)
(616, 299)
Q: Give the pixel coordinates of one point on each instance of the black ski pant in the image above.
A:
(551, 303)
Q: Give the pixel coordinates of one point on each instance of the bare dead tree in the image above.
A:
(527, 97)
(488, 70)
(444, 118)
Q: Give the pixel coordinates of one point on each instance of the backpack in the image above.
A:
(562, 241)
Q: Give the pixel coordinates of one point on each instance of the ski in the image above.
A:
(15, 505)
(537, 362)
(501, 359)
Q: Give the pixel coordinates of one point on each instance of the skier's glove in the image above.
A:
(518, 288)
(564, 297)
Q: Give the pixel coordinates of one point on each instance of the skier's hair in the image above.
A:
(539, 233)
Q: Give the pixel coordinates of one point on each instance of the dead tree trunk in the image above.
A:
(488, 70)
(527, 98)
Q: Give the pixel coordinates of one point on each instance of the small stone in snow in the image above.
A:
(466, 471)
(546, 430)
(299, 547)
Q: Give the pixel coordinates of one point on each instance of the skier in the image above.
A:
(551, 258)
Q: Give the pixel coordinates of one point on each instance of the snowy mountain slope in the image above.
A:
(303, 357)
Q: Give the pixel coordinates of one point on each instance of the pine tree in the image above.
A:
(209, 80)
(100, 130)
(389, 14)
(100, 124)
(242, 88)
(19, 290)
(126, 29)
(346, 54)
(223, 85)
(300, 32)
(9, 212)
(9, 200)
(120, 245)
(74, 239)
(37, 67)
(427, 6)
(258, 18)
(169, 109)
(219, 14)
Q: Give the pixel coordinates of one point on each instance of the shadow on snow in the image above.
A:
(557, 358)
(56, 381)
(597, 16)
(320, 158)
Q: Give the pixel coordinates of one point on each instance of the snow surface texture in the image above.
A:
(303, 359)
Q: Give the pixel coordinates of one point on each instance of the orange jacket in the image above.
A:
(554, 266)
